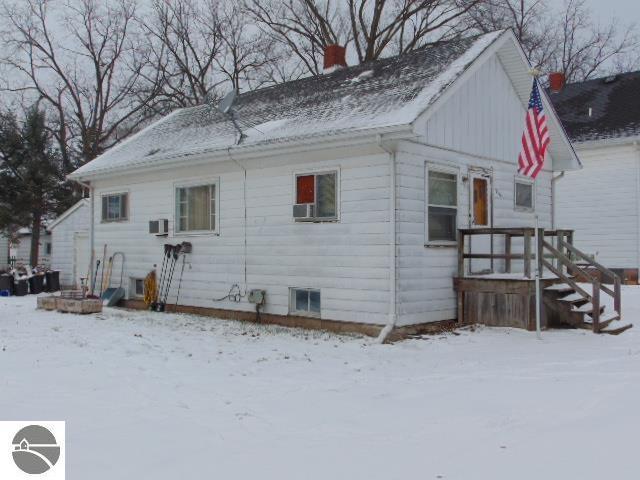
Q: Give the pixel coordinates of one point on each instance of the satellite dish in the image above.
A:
(227, 102)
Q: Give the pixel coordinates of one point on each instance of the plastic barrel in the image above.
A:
(36, 284)
(21, 288)
(6, 283)
(53, 281)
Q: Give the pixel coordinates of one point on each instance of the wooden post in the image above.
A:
(540, 251)
(527, 253)
(616, 297)
(507, 252)
(595, 301)
(461, 254)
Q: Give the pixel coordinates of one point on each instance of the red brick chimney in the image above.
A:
(557, 81)
(334, 57)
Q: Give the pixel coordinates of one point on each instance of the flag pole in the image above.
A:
(538, 296)
(535, 73)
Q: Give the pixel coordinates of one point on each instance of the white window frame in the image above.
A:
(305, 172)
(303, 313)
(524, 181)
(113, 194)
(176, 218)
(133, 293)
(435, 167)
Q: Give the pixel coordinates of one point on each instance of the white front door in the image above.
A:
(80, 257)
(480, 216)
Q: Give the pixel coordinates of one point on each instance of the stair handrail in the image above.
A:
(617, 282)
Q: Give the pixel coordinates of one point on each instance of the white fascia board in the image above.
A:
(258, 150)
(607, 142)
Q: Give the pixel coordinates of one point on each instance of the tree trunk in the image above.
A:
(35, 239)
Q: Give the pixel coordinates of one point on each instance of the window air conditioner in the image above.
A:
(159, 227)
(303, 211)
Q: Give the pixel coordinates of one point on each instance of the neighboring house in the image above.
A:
(602, 201)
(70, 240)
(343, 197)
(22, 247)
(4, 251)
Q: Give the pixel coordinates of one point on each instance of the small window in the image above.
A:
(305, 301)
(114, 207)
(47, 248)
(316, 197)
(137, 287)
(196, 209)
(442, 206)
(524, 197)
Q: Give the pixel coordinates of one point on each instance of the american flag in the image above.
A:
(535, 138)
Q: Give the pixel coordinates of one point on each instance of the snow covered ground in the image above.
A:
(159, 396)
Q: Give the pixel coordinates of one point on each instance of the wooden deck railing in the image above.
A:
(556, 254)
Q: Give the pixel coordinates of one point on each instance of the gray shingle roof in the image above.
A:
(614, 103)
(384, 93)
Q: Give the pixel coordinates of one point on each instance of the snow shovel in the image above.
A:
(111, 296)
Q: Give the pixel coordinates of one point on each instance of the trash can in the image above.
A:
(36, 284)
(6, 284)
(53, 281)
(21, 288)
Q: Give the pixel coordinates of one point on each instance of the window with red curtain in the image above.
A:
(305, 189)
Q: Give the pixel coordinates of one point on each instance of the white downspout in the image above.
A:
(91, 229)
(554, 179)
(391, 322)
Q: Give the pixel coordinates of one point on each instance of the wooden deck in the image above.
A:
(505, 295)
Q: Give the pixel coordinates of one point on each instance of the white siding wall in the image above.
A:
(601, 203)
(480, 126)
(348, 260)
(63, 237)
(4, 251)
(23, 249)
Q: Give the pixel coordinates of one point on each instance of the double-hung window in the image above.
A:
(196, 208)
(442, 205)
(115, 207)
(316, 197)
(524, 195)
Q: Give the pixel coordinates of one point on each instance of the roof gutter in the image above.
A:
(256, 150)
(608, 142)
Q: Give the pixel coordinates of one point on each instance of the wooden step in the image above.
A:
(560, 287)
(605, 320)
(573, 298)
(586, 308)
(616, 330)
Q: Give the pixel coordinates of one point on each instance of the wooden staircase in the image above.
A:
(572, 302)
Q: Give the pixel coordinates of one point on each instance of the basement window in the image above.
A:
(316, 197)
(442, 205)
(137, 287)
(304, 301)
(524, 195)
(115, 207)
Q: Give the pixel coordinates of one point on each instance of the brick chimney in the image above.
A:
(334, 57)
(557, 81)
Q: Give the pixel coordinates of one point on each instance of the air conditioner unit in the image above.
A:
(159, 227)
(302, 211)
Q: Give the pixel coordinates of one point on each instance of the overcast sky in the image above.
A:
(627, 10)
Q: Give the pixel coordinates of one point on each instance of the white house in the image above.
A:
(4, 251)
(343, 196)
(21, 248)
(602, 201)
(70, 239)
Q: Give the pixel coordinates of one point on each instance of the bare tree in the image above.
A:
(84, 60)
(375, 27)
(565, 40)
(186, 43)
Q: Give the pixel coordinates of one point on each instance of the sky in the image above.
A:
(627, 10)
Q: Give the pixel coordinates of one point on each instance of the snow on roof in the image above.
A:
(602, 108)
(384, 93)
